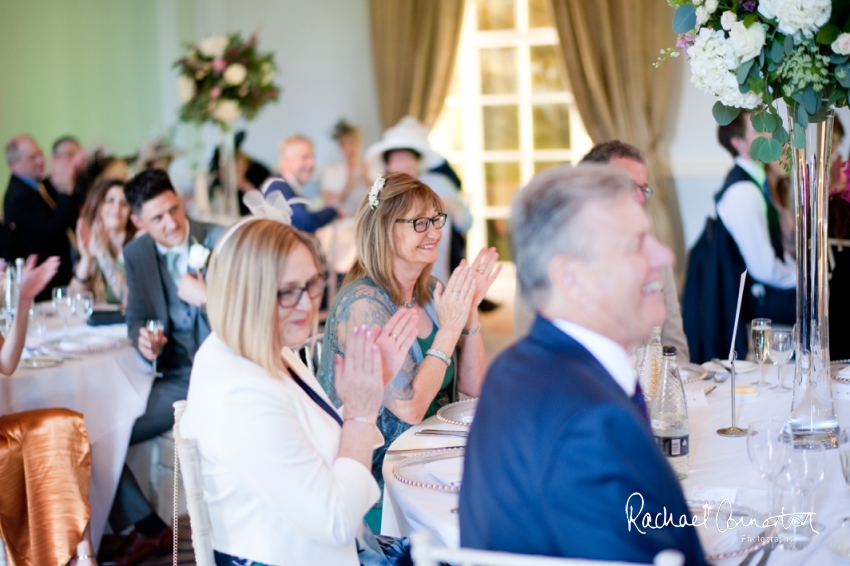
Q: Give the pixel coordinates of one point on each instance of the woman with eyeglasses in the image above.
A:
(398, 228)
(286, 475)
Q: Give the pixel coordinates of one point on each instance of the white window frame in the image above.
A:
(470, 101)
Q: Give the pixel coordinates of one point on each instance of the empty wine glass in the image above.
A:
(769, 446)
(155, 330)
(63, 302)
(806, 466)
(781, 348)
(36, 328)
(760, 331)
(84, 304)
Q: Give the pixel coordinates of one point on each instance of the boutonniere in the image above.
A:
(198, 256)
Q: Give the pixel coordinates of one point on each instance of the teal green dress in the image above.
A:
(446, 388)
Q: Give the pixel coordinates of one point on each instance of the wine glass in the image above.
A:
(155, 330)
(806, 465)
(768, 446)
(761, 332)
(84, 304)
(63, 302)
(781, 348)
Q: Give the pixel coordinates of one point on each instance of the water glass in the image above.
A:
(769, 446)
(36, 328)
(63, 302)
(761, 332)
(780, 350)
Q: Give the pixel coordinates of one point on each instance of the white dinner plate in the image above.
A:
(86, 344)
(461, 413)
(691, 373)
(724, 542)
(741, 366)
(840, 546)
(39, 362)
(414, 472)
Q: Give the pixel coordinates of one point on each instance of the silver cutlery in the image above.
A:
(410, 450)
(749, 558)
(768, 549)
(437, 432)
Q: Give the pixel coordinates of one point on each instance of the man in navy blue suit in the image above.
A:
(297, 163)
(561, 455)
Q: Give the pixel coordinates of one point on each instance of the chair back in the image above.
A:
(425, 554)
(188, 460)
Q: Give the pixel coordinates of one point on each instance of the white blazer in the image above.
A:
(276, 491)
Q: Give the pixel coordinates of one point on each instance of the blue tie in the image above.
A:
(171, 258)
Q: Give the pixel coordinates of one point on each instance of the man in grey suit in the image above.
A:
(162, 287)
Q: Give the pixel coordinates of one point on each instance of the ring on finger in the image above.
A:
(457, 293)
(480, 270)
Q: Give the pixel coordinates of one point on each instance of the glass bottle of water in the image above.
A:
(650, 365)
(9, 299)
(668, 413)
(16, 289)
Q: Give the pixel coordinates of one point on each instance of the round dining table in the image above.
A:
(110, 389)
(719, 469)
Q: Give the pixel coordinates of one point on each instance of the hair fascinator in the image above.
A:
(271, 207)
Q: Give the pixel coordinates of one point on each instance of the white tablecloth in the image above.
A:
(715, 461)
(109, 389)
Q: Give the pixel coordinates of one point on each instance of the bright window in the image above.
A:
(508, 114)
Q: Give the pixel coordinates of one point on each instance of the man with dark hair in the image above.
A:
(746, 210)
(161, 287)
(633, 161)
(40, 217)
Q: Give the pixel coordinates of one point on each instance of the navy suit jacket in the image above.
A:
(554, 454)
(302, 217)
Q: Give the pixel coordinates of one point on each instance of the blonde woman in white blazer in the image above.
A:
(286, 477)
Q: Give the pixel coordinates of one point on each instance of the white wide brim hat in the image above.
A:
(408, 133)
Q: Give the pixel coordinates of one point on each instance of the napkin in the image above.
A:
(448, 471)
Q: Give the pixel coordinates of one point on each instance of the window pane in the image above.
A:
(502, 181)
(447, 133)
(545, 74)
(551, 126)
(542, 165)
(538, 16)
(498, 237)
(498, 70)
(501, 127)
(496, 14)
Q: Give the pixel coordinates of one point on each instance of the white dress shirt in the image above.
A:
(611, 355)
(182, 251)
(276, 491)
(743, 211)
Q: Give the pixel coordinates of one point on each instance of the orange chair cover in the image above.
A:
(45, 465)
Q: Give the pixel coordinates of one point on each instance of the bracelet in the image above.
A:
(85, 556)
(83, 281)
(466, 332)
(360, 420)
(440, 355)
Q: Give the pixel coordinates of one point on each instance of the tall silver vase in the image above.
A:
(812, 410)
(228, 205)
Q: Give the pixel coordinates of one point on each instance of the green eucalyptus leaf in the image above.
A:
(723, 114)
(770, 150)
(750, 19)
(685, 19)
(745, 88)
(837, 59)
(842, 75)
(799, 137)
(780, 134)
(755, 84)
(789, 43)
(764, 122)
(802, 116)
(755, 148)
(777, 51)
(811, 99)
(743, 71)
(828, 34)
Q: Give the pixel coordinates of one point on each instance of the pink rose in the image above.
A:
(219, 65)
(842, 45)
(215, 92)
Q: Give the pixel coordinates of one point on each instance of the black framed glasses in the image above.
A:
(288, 298)
(422, 224)
(644, 189)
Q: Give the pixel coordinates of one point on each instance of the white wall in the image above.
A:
(699, 162)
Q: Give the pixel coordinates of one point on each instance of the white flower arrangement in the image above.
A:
(376, 189)
(796, 16)
(198, 256)
(713, 64)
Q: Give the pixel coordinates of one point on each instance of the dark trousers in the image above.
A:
(130, 505)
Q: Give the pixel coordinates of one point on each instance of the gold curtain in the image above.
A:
(607, 48)
(414, 44)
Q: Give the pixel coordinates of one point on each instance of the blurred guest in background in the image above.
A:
(780, 193)
(67, 157)
(40, 220)
(837, 180)
(344, 184)
(104, 227)
(297, 163)
(157, 153)
(100, 165)
(553, 478)
(404, 148)
(839, 228)
(250, 173)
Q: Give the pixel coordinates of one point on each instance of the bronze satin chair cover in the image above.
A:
(45, 465)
